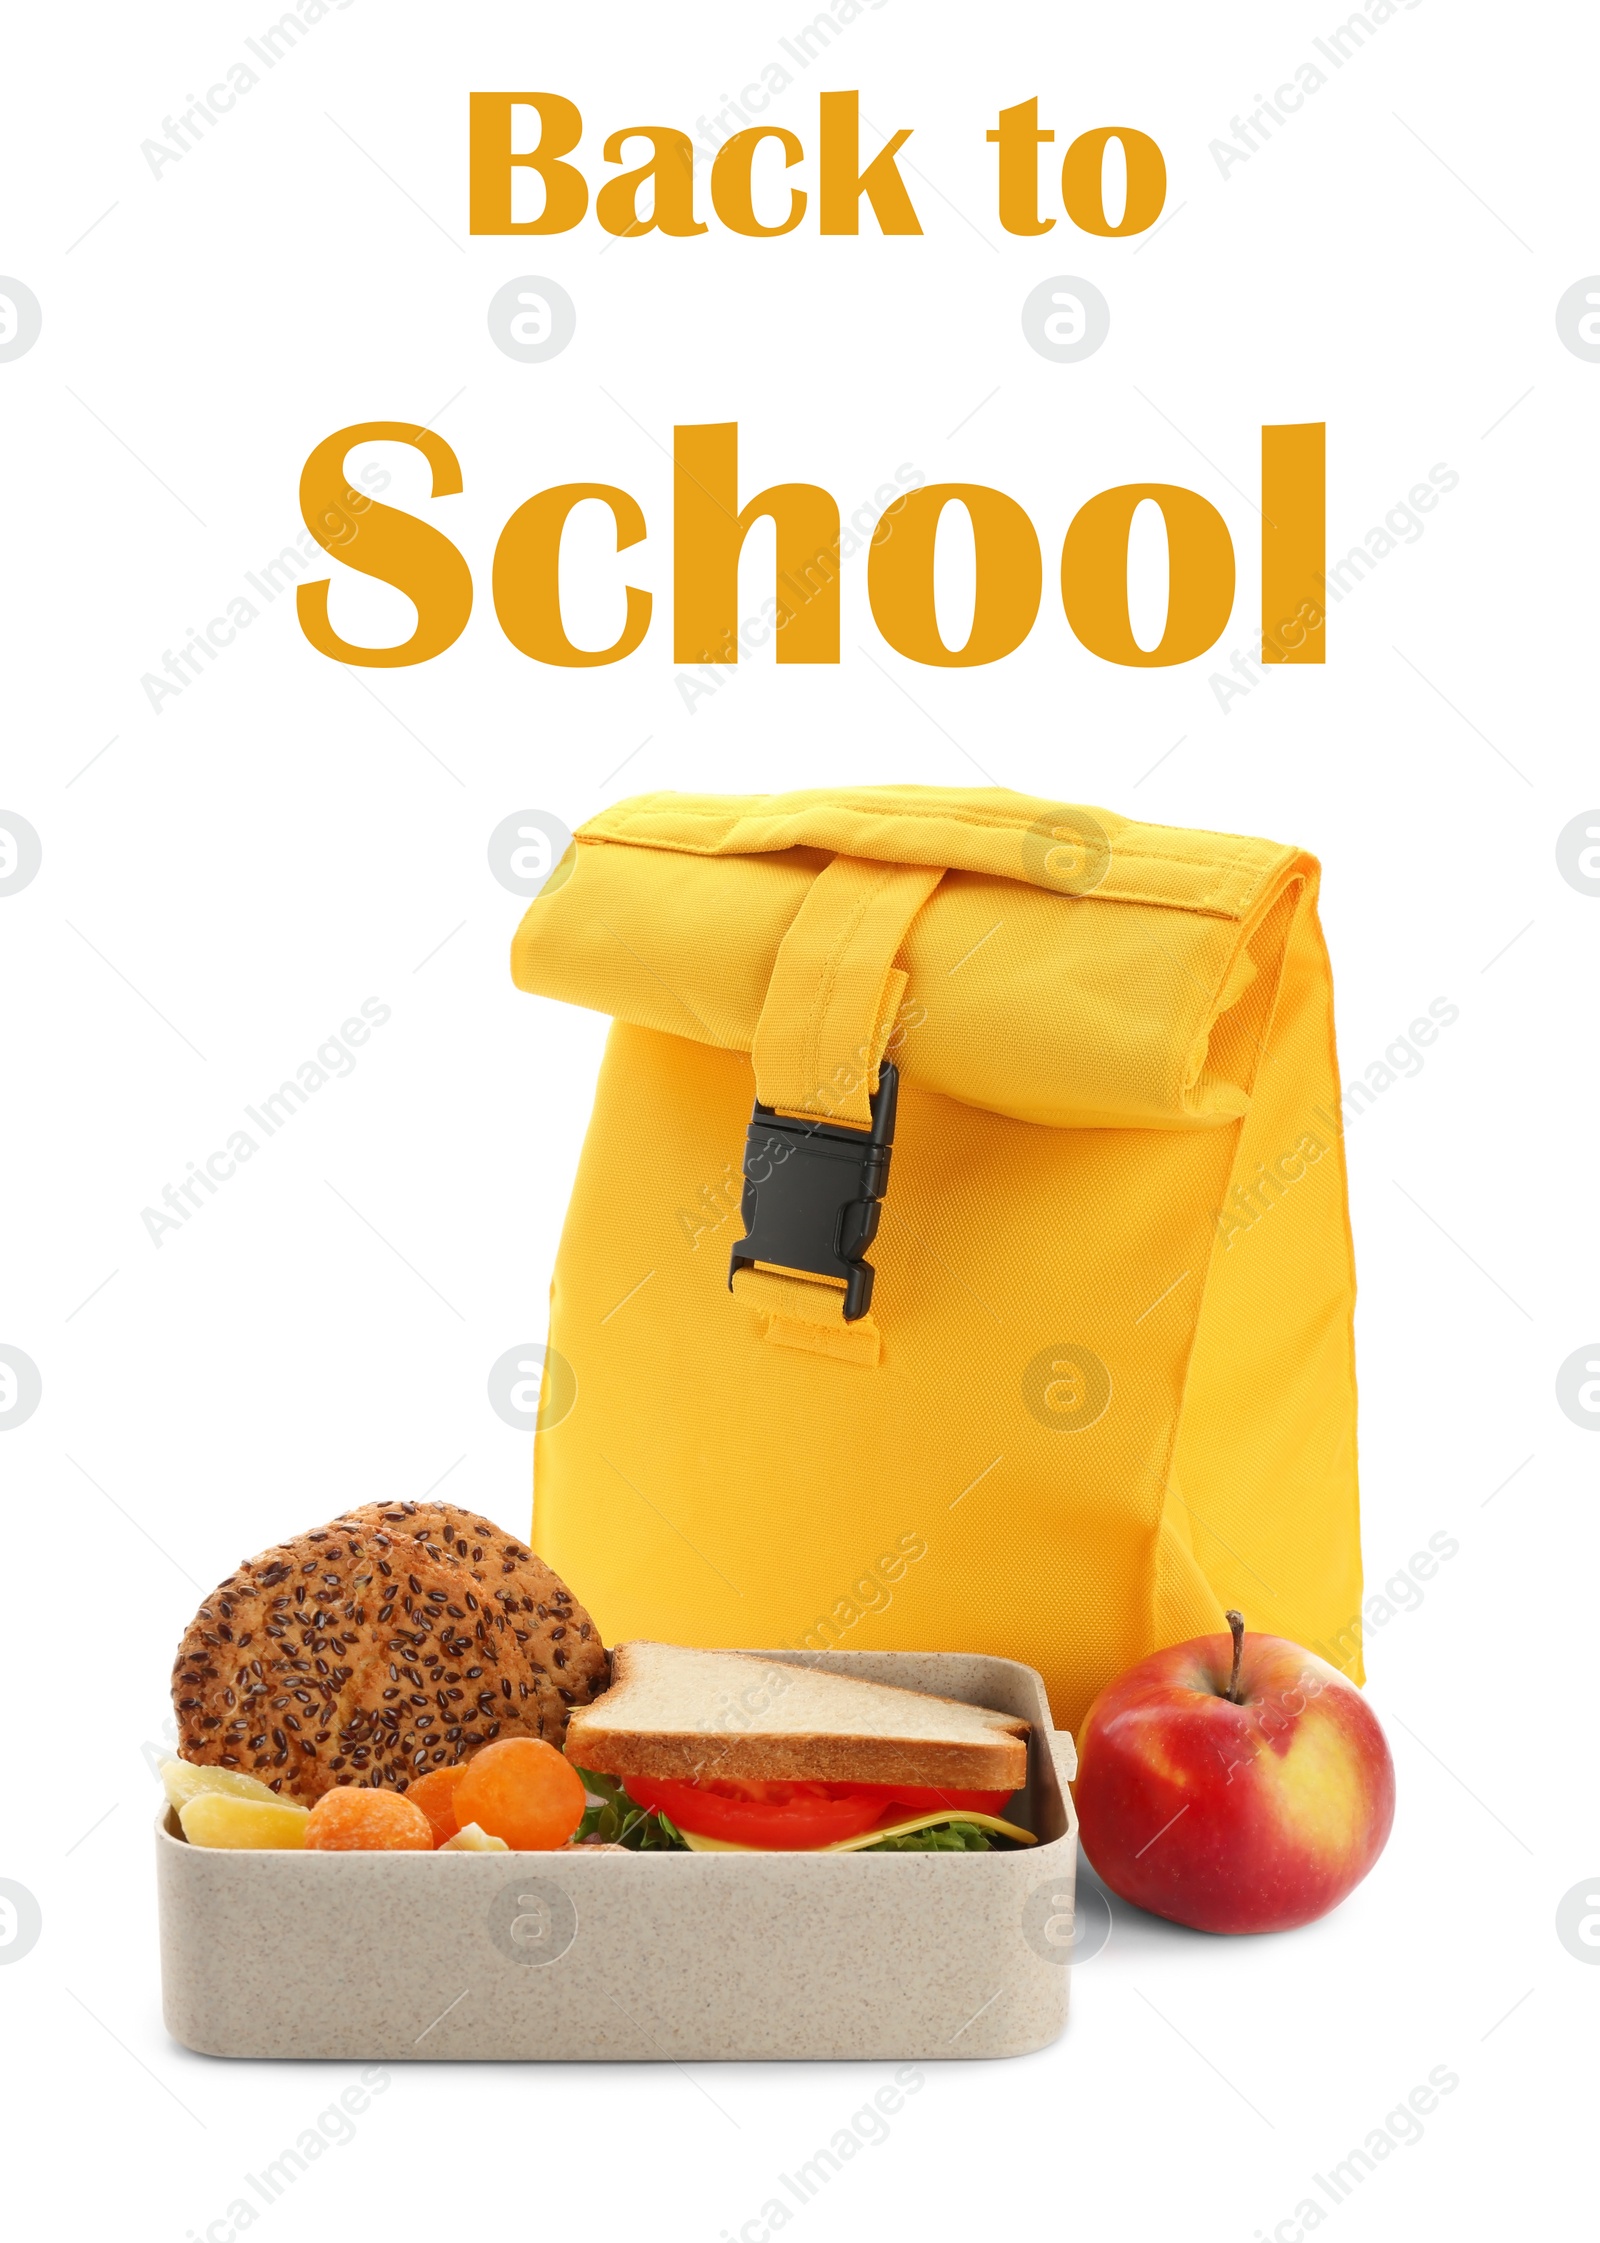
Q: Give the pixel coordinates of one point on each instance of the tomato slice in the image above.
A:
(926, 1799)
(797, 1817)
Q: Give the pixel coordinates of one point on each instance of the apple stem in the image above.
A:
(1235, 1621)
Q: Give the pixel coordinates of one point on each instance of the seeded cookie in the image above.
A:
(348, 1656)
(557, 1635)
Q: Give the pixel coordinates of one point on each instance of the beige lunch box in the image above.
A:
(586, 1956)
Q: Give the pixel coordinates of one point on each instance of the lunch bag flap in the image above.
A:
(1069, 967)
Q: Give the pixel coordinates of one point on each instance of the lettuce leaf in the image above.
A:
(944, 1838)
(617, 1820)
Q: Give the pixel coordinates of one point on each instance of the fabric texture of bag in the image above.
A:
(1105, 1387)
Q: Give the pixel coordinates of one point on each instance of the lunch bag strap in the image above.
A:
(830, 1007)
(835, 989)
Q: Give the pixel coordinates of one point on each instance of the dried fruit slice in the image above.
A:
(435, 1794)
(470, 1839)
(182, 1781)
(525, 1792)
(561, 1641)
(221, 1818)
(347, 1656)
(355, 1819)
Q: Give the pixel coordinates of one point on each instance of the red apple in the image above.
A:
(1241, 1786)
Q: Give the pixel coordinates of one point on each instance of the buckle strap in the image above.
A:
(810, 1316)
(822, 1127)
(812, 1197)
(835, 990)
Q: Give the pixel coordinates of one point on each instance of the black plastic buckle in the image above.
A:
(813, 1192)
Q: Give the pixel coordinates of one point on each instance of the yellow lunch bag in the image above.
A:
(959, 1257)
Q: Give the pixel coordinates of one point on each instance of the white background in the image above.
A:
(224, 881)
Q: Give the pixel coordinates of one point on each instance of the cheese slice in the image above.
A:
(699, 1845)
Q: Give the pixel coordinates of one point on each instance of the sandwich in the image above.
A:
(721, 1751)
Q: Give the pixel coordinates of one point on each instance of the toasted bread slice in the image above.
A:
(698, 1715)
